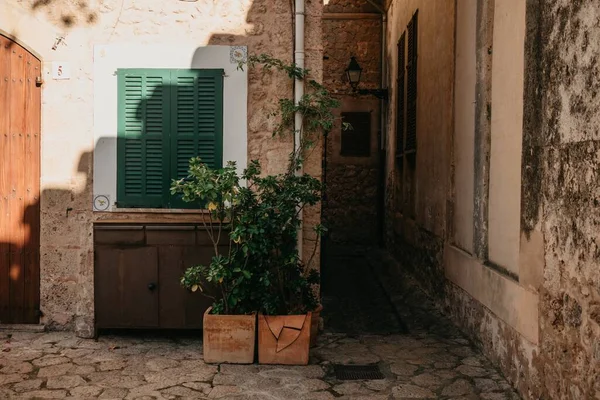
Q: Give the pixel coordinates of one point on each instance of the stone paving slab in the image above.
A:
(416, 366)
(430, 359)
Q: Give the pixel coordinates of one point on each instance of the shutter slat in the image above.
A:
(143, 147)
(197, 122)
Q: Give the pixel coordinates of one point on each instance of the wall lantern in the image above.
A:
(353, 73)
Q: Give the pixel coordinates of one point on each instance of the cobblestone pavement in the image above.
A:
(432, 360)
(353, 299)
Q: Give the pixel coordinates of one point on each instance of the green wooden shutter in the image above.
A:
(143, 147)
(196, 122)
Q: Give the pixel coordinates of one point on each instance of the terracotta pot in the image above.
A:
(284, 339)
(229, 338)
(314, 325)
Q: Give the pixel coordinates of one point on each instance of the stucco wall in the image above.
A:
(350, 210)
(68, 110)
(109, 58)
(464, 123)
(507, 133)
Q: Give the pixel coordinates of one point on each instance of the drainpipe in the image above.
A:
(298, 93)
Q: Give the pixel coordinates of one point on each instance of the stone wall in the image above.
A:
(350, 208)
(562, 154)
(67, 280)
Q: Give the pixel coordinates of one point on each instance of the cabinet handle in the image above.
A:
(151, 286)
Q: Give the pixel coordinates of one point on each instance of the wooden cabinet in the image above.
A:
(137, 269)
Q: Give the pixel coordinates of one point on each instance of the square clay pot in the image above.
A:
(284, 339)
(229, 338)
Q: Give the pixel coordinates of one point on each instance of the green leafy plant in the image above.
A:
(259, 268)
(228, 272)
(285, 285)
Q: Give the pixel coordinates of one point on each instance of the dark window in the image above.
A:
(165, 117)
(356, 140)
(400, 96)
(410, 144)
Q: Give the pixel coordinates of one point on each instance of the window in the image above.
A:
(356, 141)
(400, 97)
(410, 144)
(165, 118)
(406, 120)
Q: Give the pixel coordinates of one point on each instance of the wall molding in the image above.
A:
(509, 301)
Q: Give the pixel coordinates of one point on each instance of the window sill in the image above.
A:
(154, 211)
(150, 216)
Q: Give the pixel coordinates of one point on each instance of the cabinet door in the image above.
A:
(179, 307)
(126, 287)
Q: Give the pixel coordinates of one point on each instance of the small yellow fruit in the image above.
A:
(212, 206)
(194, 288)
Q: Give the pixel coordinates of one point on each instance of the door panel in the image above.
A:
(123, 292)
(20, 98)
(180, 307)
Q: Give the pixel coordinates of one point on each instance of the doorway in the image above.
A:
(20, 108)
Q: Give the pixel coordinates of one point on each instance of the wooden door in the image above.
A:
(20, 105)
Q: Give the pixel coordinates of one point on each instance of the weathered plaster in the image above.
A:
(506, 135)
(464, 123)
(435, 80)
(483, 109)
(508, 300)
(419, 240)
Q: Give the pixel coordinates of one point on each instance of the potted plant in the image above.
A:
(285, 285)
(260, 269)
(288, 297)
(229, 326)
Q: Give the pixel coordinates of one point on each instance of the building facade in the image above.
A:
(92, 75)
(494, 203)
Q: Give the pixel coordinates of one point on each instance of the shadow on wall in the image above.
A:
(67, 12)
(265, 88)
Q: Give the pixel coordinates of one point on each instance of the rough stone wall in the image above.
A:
(562, 154)
(349, 6)
(67, 280)
(350, 209)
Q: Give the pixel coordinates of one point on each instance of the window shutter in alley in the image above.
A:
(143, 145)
(410, 145)
(196, 122)
(400, 96)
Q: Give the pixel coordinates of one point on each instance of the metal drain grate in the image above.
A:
(357, 372)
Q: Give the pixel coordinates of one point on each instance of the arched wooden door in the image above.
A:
(20, 106)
